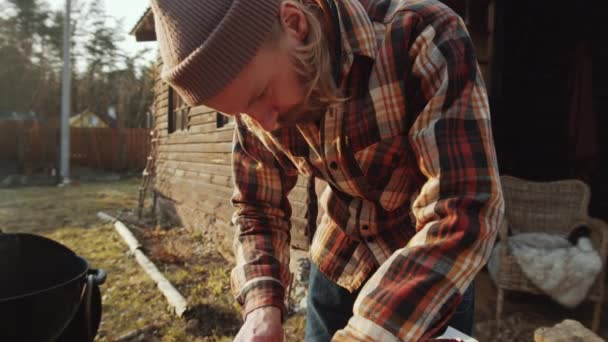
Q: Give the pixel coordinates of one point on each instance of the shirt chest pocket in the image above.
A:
(388, 171)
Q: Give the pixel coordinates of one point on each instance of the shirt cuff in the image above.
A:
(264, 293)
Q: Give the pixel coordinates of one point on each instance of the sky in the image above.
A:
(129, 11)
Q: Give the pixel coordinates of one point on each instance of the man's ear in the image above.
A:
(293, 20)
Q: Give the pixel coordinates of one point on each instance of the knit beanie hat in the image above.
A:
(204, 44)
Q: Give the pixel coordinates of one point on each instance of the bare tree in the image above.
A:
(30, 53)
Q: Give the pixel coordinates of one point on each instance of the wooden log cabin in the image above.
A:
(526, 51)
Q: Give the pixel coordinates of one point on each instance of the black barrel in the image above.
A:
(42, 284)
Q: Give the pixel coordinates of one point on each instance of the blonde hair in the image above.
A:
(313, 61)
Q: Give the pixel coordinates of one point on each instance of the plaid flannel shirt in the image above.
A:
(414, 200)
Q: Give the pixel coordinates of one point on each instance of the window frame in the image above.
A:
(223, 121)
(178, 111)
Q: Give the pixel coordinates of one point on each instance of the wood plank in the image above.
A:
(200, 173)
(207, 158)
(159, 113)
(297, 195)
(174, 298)
(202, 157)
(201, 187)
(213, 169)
(216, 209)
(162, 118)
(201, 110)
(186, 137)
(186, 148)
(200, 168)
(199, 176)
(219, 208)
(213, 202)
(222, 211)
(187, 186)
(225, 181)
(207, 127)
(162, 93)
(201, 119)
(212, 137)
(218, 191)
(161, 85)
(162, 103)
(176, 137)
(228, 127)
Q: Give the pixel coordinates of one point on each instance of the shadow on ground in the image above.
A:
(212, 320)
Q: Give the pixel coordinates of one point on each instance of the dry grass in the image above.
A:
(40, 209)
(131, 300)
(68, 215)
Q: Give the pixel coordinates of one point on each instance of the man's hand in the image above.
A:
(262, 325)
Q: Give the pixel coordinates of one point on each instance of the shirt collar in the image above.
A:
(356, 32)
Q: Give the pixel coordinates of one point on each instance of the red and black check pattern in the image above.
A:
(414, 200)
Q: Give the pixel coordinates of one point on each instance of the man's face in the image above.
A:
(268, 89)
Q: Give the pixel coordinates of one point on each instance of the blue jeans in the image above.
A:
(330, 306)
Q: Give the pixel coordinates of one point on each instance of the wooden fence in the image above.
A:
(9, 141)
(33, 147)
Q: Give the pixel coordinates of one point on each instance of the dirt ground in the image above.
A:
(134, 310)
(523, 314)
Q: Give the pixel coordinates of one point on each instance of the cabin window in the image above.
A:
(222, 120)
(178, 112)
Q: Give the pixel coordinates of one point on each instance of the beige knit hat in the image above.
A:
(204, 44)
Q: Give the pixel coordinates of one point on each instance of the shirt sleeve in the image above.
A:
(458, 208)
(262, 221)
